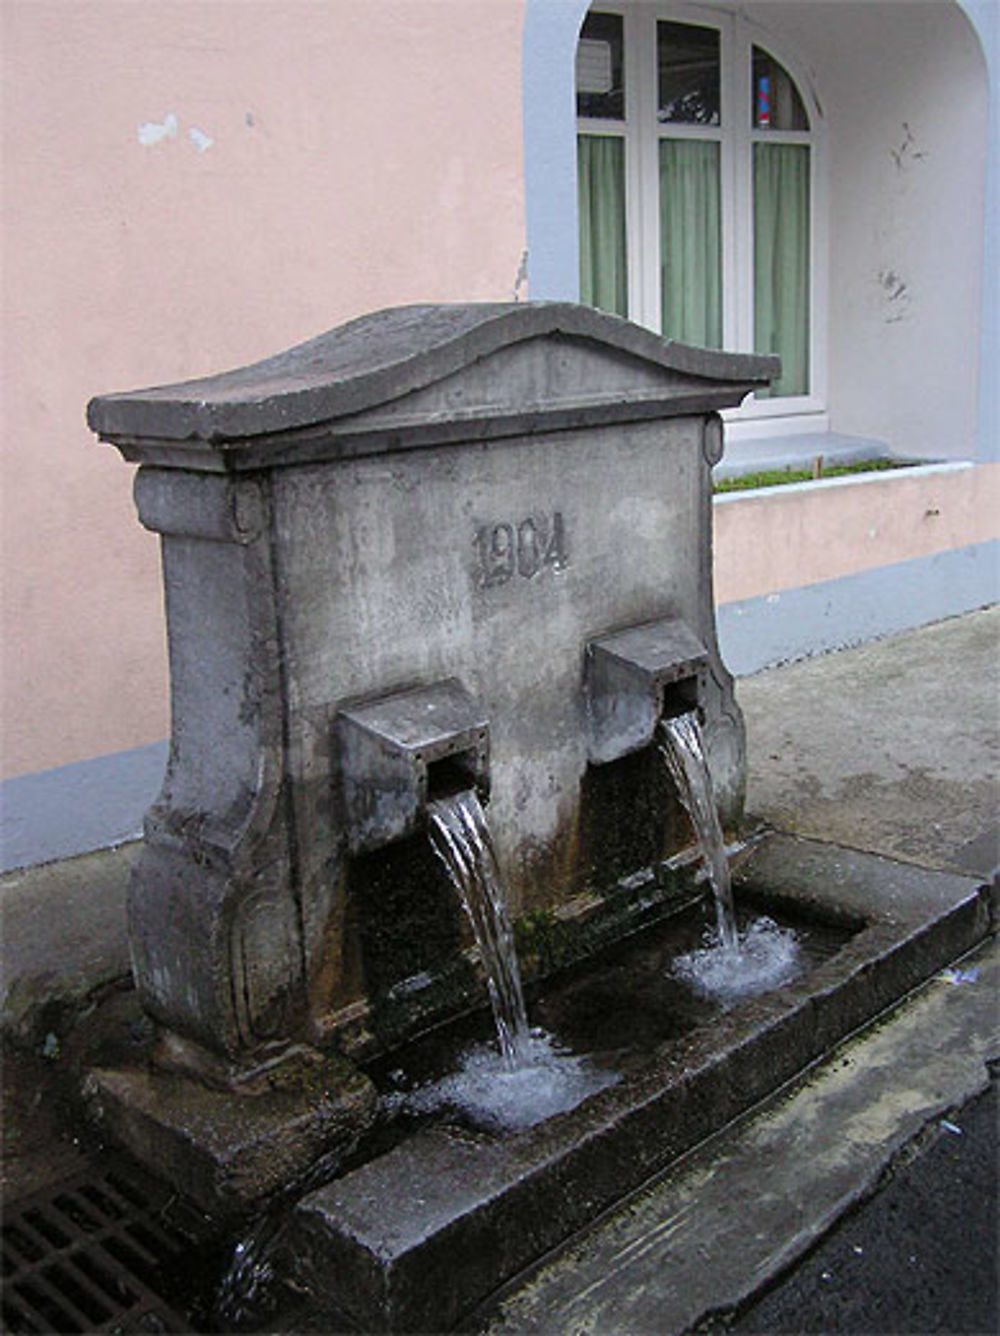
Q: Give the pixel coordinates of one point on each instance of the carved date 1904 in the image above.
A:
(520, 548)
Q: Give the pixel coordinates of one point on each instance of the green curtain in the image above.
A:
(691, 241)
(781, 261)
(601, 187)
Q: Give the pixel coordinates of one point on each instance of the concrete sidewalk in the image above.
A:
(893, 747)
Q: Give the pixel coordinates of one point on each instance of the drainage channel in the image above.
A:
(99, 1253)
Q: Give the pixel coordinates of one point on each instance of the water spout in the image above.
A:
(461, 838)
(681, 745)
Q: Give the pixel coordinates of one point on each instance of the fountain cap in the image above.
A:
(339, 384)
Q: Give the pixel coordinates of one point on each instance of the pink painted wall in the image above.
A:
(189, 186)
(786, 537)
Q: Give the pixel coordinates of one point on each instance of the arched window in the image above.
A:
(697, 187)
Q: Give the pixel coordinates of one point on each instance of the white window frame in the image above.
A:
(736, 136)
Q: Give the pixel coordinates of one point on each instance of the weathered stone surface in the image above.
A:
(394, 356)
(418, 1237)
(229, 1151)
(431, 495)
(62, 926)
(629, 676)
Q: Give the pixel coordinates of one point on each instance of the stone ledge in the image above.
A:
(64, 937)
(229, 1152)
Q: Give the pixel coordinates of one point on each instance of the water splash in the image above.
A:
(766, 956)
(249, 1291)
(531, 1078)
(680, 744)
(493, 1094)
(461, 838)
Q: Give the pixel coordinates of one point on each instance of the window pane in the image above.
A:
(688, 63)
(776, 101)
(601, 190)
(600, 80)
(690, 241)
(781, 261)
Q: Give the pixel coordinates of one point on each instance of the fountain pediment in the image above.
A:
(433, 373)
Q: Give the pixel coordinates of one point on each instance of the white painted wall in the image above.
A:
(904, 91)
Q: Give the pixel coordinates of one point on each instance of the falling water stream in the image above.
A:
(682, 748)
(461, 838)
(531, 1077)
(735, 965)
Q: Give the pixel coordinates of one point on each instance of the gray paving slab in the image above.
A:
(892, 747)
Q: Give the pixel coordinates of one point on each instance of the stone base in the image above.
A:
(416, 1238)
(229, 1151)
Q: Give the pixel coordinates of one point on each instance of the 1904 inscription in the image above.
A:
(520, 547)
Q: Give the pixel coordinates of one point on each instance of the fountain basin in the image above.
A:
(415, 1239)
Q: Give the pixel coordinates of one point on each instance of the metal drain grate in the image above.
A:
(94, 1255)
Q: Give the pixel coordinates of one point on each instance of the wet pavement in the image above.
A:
(860, 1199)
(920, 1256)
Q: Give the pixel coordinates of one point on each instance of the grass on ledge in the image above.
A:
(781, 477)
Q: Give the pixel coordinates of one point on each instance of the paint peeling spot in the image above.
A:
(896, 295)
(200, 139)
(907, 152)
(894, 286)
(521, 277)
(155, 132)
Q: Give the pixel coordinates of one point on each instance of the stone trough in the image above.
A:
(416, 1239)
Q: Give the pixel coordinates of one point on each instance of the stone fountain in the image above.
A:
(440, 548)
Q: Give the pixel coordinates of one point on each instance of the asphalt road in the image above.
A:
(919, 1256)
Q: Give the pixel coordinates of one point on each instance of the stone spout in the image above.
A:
(634, 678)
(397, 753)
